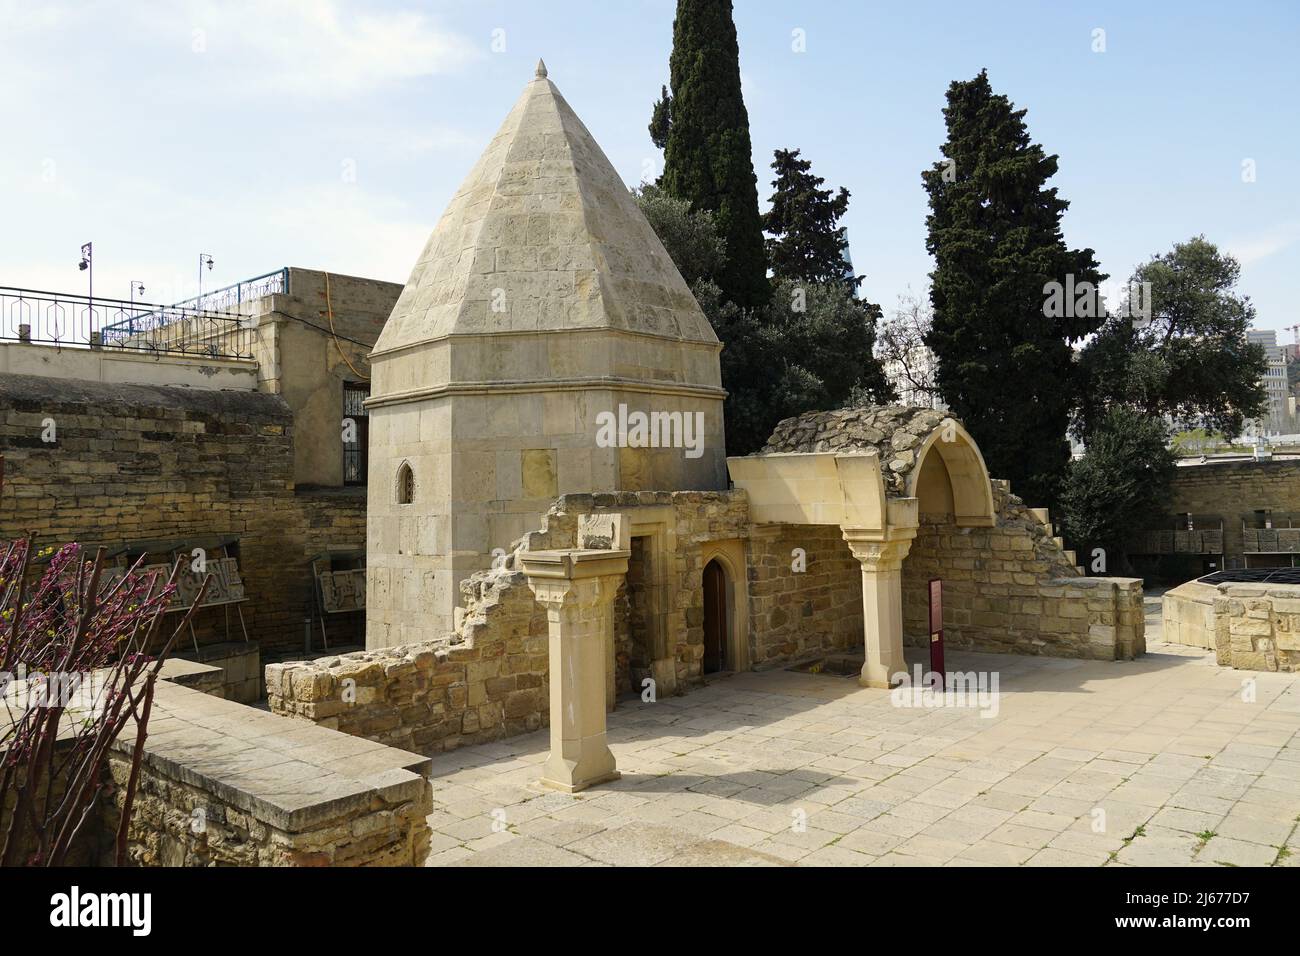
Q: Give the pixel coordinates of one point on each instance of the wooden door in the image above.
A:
(715, 618)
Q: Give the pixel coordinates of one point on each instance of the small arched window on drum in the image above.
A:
(405, 484)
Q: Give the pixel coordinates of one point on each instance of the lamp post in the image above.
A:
(204, 259)
(136, 286)
(87, 265)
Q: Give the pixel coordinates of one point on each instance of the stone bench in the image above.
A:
(227, 784)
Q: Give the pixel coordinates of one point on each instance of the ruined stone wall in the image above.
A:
(1011, 588)
(134, 463)
(802, 613)
(484, 681)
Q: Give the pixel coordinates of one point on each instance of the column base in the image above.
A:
(594, 765)
(565, 787)
(878, 677)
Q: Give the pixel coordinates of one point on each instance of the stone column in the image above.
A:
(881, 558)
(577, 589)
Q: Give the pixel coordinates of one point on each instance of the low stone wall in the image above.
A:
(224, 784)
(1011, 588)
(1248, 626)
(487, 680)
(1187, 615)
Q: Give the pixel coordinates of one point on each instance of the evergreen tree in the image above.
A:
(806, 242)
(809, 347)
(661, 119)
(1004, 364)
(707, 152)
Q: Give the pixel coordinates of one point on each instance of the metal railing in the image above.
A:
(77, 321)
(230, 298)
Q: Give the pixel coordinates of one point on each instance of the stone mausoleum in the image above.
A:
(525, 567)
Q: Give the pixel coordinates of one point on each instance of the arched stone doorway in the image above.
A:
(717, 626)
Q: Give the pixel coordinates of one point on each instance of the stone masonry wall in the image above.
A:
(1231, 489)
(1010, 588)
(133, 463)
(163, 828)
(796, 614)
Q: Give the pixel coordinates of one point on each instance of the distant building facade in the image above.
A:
(1280, 413)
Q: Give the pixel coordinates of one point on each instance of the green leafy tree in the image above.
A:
(1004, 366)
(806, 242)
(691, 238)
(1119, 485)
(1180, 349)
(704, 128)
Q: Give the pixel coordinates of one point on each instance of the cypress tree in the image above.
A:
(806, 242)
(1004, 359)
(708, 158)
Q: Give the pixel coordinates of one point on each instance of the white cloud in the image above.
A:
(304, 48)
(326, 47)
(1251, 249)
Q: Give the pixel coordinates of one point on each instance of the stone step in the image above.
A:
(1041, 514)
(1070, 556)
(1060, 542)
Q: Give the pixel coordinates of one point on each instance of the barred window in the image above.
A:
(356, 433)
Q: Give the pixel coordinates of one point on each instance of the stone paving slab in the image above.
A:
(1159, 761)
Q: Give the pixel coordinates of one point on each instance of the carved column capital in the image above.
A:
(574, 577)
(878, 552)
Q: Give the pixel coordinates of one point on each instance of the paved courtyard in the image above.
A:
(1162, 761)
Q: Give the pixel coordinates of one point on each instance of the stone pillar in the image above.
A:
(577, 589)
(881, 558)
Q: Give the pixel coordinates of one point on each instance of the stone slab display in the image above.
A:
(225, 784)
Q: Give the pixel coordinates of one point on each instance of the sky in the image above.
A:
(331, 134)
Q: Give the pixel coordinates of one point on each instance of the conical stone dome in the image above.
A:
(543, 236)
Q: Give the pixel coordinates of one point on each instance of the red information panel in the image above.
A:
(936, 631)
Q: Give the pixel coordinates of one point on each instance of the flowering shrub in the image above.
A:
(79, 657)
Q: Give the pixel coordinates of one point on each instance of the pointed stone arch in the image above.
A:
(968, 477)
(404, 486)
